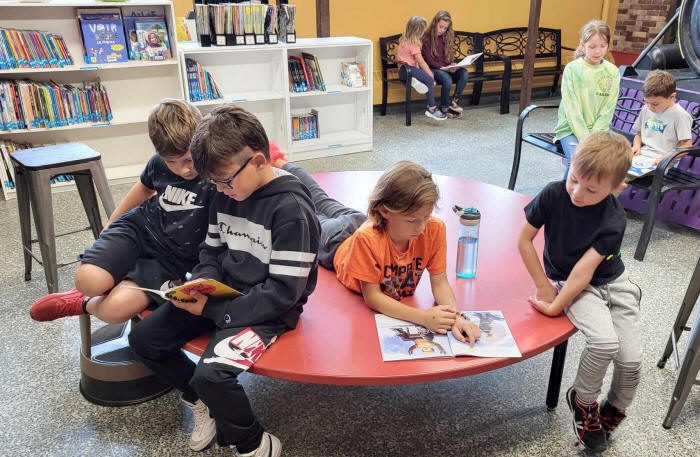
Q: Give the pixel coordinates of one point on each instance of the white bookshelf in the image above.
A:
(257, 78)
(133, 87)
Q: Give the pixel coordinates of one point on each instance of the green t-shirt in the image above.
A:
(588, 97)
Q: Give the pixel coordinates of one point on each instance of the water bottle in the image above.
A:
(468, 241)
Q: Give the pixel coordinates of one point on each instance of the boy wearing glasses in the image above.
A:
(262, 239)
(152, 237)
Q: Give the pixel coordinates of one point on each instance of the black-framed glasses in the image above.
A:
(227, 182)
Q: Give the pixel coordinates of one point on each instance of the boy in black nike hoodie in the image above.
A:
(262, 240)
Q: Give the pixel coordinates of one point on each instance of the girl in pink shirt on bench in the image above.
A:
(409, 58)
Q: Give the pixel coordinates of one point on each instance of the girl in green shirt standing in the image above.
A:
(589, 89)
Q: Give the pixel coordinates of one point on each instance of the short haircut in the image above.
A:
(223, 134)
(403, 189)
(171, 124)
(603, 155)
(659, 83)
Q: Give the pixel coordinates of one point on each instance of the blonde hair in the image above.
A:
(603, 155)
(591, 29)
(403, 189)
(171, 125)
(659, 83)
(415, 28)
(448, 37)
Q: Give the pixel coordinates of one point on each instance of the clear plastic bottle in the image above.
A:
(467, 241)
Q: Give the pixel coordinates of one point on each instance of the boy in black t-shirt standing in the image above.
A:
(152, 237)
(584, 276)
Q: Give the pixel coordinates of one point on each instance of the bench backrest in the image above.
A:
(512, 42)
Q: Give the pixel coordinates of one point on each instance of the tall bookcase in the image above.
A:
(257, 78)
(133, 87)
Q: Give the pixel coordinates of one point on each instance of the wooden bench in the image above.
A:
(501, 49)
(336, 341)
(642, 195)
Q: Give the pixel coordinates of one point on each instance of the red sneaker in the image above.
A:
(277, 156)
(54, 306)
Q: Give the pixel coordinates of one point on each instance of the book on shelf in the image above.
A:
(32, 49)
(209, 287)
(200, 83)
(305, 125)
(102, 31)
(401, 340)
(139, 47)
(353, 74)
(468, 60)
(317, 77)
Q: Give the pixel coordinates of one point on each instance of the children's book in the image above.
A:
(210, 287)
(103, 35)
(641, 166)
(153, 40)
(470, 59)
(401, 340)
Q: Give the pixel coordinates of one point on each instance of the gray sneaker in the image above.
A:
(270, 446)
(204, 431)
(419, 86)
(435, 114)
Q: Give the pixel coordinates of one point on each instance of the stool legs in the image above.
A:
(687, 375)
(100, 179)
(25, 224)
(42, 204)
(87, 195)
(691, 296)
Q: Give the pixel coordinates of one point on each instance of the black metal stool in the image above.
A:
(691, 362)
(110, 375)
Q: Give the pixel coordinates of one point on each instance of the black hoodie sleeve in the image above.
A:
(293, 257)
(210, 250)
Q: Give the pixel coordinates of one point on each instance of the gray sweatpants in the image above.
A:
(608, 316)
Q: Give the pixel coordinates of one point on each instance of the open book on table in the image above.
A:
(210, 287)
(401, 340)
(470, 59)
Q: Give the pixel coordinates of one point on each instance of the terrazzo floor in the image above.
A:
(500, 413)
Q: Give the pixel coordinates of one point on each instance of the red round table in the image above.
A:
(336, 339)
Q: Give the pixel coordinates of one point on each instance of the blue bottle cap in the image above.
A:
(467, 214)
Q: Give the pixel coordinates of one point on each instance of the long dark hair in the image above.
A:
(448, 37)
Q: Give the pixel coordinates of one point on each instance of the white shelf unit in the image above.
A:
(133, 87)
(257, 78)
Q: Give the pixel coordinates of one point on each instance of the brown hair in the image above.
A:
(223, 134)
(171, 124)
(448, 37)
(659, 83)
(404, 188)
(415, 28)
(603, 155)
(591, 29)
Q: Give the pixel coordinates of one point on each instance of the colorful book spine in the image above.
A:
(200, 83)
(32, 49)
(305, 126)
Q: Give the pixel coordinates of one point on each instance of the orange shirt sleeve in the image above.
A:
(363, 263)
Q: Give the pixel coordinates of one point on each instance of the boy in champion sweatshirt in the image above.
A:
(263, 240)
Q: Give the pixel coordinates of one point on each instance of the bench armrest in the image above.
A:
(526, 112)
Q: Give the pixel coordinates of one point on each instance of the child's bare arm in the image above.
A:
(545, 290)
(637, 144)
(579, 279)
(438, 319)
(138, 194)
(424, 66)
(685, 143)
(442, 291)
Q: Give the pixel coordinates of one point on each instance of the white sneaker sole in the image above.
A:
(203, 444)
(432, 116)
(419, 86)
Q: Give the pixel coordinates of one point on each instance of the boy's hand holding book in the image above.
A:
(466, 331)
(192, 307)
(439, 319)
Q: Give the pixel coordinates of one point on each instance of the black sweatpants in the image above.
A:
(157, 342)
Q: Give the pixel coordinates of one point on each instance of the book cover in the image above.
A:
(641, 165)
(129, 15)
(210, 287)
(401, 340)
(153, 40)
(470, 59)
(103, 36)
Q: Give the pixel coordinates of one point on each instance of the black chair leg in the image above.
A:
(652, 205)
(555, 85)
(407, 104)
(382, 110)
(476, 92)
(505, 96)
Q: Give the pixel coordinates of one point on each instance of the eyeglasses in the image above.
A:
(226, 183)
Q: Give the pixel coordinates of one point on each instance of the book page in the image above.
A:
(641, 165)
(495, 341)
(401, 340)
(210, 287)
(470, 59)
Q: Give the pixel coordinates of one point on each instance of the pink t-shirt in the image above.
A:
(406, 53)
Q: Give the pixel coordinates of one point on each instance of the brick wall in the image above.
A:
(638, 22)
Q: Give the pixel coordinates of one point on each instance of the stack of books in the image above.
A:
(32, 49)
(28, 104)
(200, 83)
(305, 73)
(305, 126)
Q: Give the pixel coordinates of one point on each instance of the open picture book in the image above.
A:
(641, 165)
(210, 287)
(401, 340)
(470, 59)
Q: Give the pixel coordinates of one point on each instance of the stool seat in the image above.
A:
(65, 154)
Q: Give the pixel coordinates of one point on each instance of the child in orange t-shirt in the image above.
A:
(383, 256)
